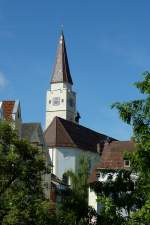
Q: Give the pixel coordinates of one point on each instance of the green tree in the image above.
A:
(124, 192)
(137, 114)
(117, 196)
(74, 207)
(22, 199)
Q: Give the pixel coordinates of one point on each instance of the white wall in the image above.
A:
(68, 159)
(16, 116)
(1, 111)
(63, 109)
(92, 199)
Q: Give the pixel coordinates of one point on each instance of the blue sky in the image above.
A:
(108, 44)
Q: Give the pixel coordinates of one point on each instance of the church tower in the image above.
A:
(60, 99)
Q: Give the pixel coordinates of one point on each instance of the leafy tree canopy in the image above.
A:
(74, 207)
(21, 193)
(124, 191)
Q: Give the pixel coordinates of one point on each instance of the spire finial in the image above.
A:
(62, 30)
(62, 26)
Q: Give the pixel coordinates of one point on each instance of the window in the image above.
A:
(49, 101)
(126, 163)
(62, 100)
(56, 101)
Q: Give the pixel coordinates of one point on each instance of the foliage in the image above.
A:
(137, 114)
(74, 208)
(124, 192)
(109, 213)
(21, 194)
(79, 180)
(121, 190)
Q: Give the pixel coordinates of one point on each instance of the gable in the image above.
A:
(57, 136)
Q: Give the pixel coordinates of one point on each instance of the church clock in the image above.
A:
(56, 101)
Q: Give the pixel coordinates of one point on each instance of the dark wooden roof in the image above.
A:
(112, 157)
(61, 71)
(64, 133)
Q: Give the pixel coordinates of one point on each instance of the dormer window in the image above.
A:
(126, 163)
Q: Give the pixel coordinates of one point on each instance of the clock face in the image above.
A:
(56, 101)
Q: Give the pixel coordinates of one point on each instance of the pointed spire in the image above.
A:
(61, 71)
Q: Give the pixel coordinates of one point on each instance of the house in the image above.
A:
(112, 158)
(10, 110)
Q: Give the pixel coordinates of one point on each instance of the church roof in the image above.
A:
(61, 71)
(64, 133)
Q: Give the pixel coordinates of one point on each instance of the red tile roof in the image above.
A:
(8, 107)
(113, 153)
(112, 157)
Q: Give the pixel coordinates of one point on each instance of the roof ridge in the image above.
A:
(8, 100)
(79, 125)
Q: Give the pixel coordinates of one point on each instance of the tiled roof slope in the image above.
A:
(61, 71)
(113, 156)
(7, 107)
(113, 153)
(64, 133)
(32, 132)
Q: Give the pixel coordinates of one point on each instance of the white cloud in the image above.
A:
(3, 81)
